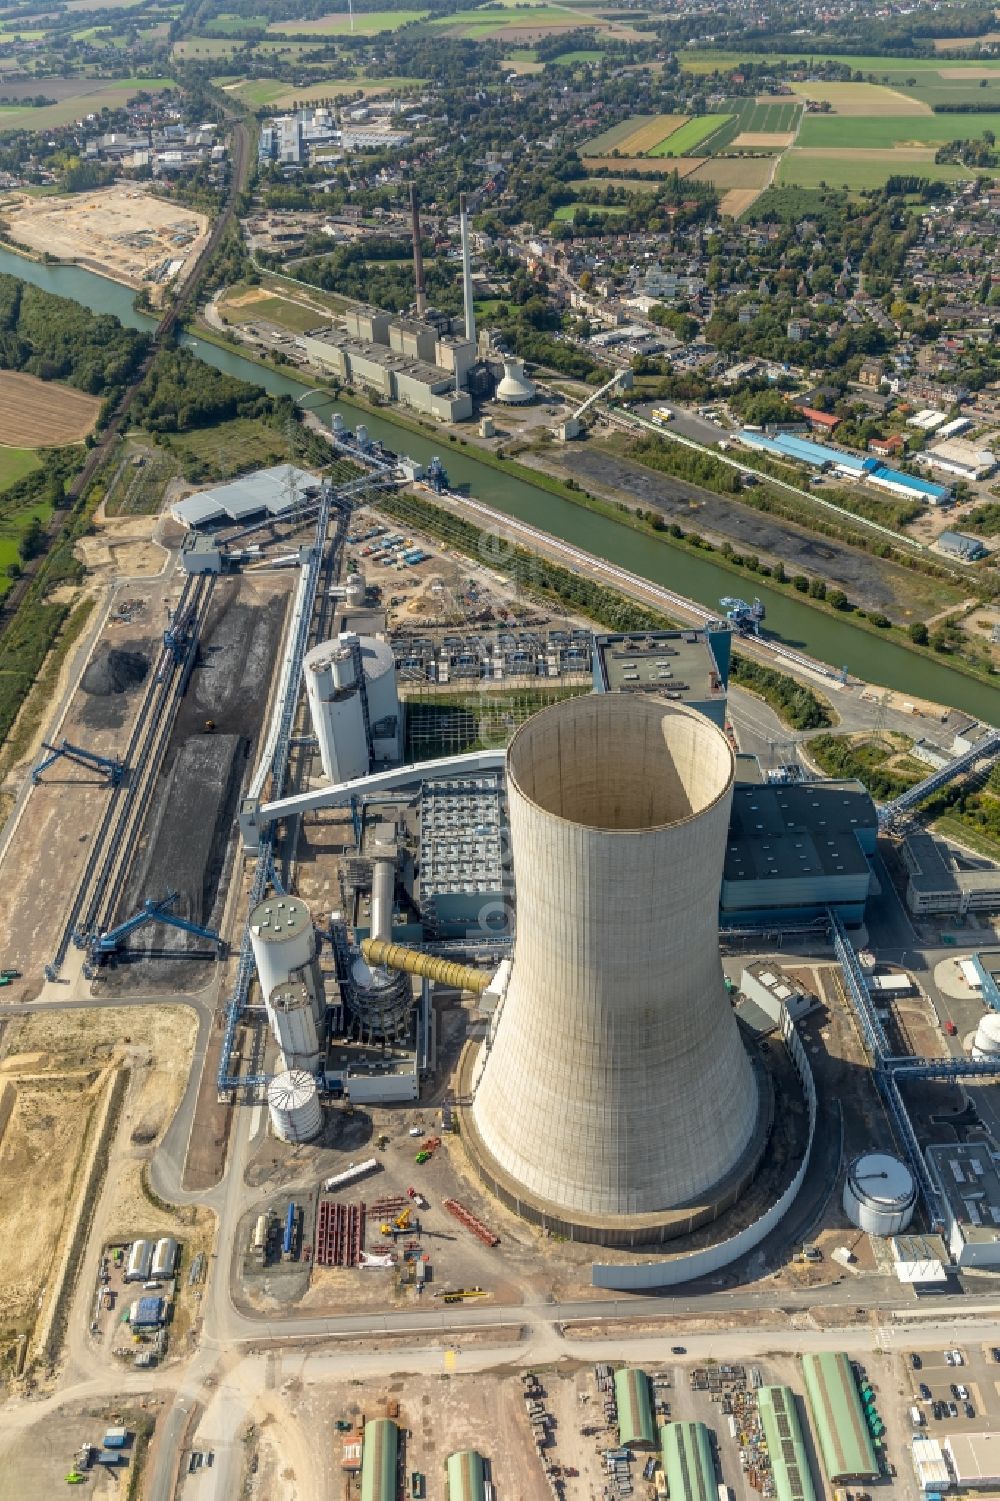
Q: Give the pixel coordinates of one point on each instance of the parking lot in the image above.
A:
(978, 1376)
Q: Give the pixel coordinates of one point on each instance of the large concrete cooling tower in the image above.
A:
(616, 1102)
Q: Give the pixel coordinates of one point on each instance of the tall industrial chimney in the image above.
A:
(470, 311)
(617, 1102)
(418, 255)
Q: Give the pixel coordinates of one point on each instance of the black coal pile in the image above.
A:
(115, 671)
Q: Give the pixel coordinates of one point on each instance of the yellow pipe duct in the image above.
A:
(413, 962)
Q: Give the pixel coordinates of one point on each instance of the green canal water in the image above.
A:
(832, 640)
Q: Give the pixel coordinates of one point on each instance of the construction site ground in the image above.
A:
(38, 1463)
(55, 1068)
(124, 232)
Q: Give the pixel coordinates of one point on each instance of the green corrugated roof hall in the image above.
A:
(688, 1462)
(380, 1461)
(785, 1445)
(466, 1476)
(636, 1424)
(835, 1408)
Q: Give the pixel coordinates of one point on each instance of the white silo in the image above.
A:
(293, 1105)
(515, 389)
(356, 591)
(293, 1022)
(617, 1101)
(986, 1044)
(281, 933)
(337, 710)
(879, 1194)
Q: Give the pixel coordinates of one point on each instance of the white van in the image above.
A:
(917, 1417)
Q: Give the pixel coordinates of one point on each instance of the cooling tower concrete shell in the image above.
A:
(281, 934)
(293, 1023)
(617, 1102)
(986, 1044)
(293, 1105)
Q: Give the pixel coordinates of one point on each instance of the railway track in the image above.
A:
(99, 892)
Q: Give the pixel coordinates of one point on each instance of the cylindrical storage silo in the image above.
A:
(336, 710)
(361, 435)
(293, 1022)
(356, 591)
(281, 933)
(986, 1046)
(293, 1105)
(337, 425)
(383, 698)
(617, 1084)
(879, 1194)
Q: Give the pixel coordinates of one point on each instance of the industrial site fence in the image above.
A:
(670, 1271)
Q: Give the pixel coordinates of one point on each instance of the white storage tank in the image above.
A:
(986, 1045)
(383, 698)
(337, 425)
(293, 1023)
(336, 710)
(356, 590)
(293, 1105)
(281, 933)
(879, 1194)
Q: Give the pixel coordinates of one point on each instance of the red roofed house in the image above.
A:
(888, 448)
(820, 421)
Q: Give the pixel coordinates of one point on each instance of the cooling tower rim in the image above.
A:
(617, 703)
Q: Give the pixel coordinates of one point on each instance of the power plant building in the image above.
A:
(968, 1177)
(795, 850)
(688, 1462)
(689, 667)
(838, 1419)
(408, 360)
(465, 887)
(785, 1444)
(615, 1100)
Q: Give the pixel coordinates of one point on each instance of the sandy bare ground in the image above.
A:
(123, 232)
(737, 200)
(750, 139)
(43, 413)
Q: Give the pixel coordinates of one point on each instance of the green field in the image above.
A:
(109, 93)
(276, 309)
(689, 137)
(339, 23)
(567, 212)
(483, 23)
(15, 463)
(581, 56)
(883, 131)
(801, 169)
(232, 25)
(601, 145)
(227, 448)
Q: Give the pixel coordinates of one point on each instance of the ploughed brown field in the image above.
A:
(43, 413)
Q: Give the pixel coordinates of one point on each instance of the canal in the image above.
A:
(832, 640)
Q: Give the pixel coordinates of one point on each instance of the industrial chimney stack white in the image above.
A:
(617, 1102)
(470, 310)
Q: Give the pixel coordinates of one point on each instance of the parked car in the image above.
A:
(955, 1390)
(957, 1357)
(915, 1362)
(952, 1410)
(962, 1392)
(970, 1411)
(925, 1392)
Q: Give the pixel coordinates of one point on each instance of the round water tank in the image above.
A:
(337, 425)
(879, 1193)
(293, 1105)
(361, 435)
(986, 1046)
(281, 933)
(293, 1022)
(515, 388)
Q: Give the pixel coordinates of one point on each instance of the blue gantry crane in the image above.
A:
(109, 766)
(102, 945)
(743, 617)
